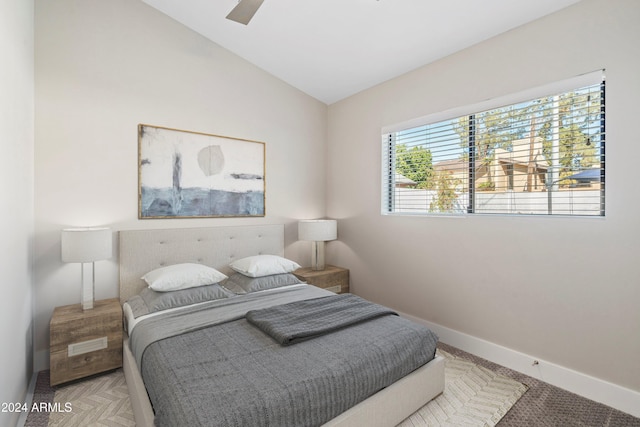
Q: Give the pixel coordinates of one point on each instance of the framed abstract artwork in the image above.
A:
(183, 174)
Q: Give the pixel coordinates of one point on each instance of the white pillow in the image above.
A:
(182, 276)
(263, 265)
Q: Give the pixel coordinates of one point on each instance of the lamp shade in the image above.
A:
(318, 230)
(86, 244)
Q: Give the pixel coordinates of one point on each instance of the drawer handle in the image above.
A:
(87, 346)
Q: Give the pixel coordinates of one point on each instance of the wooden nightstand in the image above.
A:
(332, 278)
(84, 343)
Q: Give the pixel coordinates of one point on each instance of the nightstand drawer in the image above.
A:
(65, 368)
(84, 343)
(335, 279)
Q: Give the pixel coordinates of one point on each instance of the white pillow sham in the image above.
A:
(182, 276)
(264, 265)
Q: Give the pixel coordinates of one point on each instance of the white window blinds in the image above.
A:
(538, 156)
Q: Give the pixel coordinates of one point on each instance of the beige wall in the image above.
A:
(16, 207)
(566, 290)
(102, 67)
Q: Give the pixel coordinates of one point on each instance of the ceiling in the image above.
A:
(331, 49)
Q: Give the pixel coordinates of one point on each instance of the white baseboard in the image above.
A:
(28, 400)
(615, 396)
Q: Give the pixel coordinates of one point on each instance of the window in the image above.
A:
(544, 155)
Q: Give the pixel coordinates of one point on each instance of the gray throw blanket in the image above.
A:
(302, 320)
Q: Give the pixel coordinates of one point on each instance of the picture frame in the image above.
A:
(185, 174)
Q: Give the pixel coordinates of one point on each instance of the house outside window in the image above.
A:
(538, 156)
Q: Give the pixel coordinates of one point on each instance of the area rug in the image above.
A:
(99, 401)
(473, 396)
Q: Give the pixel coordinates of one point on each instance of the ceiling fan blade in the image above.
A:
(244, 11)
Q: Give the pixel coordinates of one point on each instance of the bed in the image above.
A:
(144, 250)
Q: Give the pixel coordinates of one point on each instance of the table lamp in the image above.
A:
(86, 245)
(317, 231)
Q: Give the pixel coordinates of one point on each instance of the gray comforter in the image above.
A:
(212, 369)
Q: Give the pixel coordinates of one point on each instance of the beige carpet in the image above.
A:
(473, 396)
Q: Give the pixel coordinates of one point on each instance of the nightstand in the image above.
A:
(85, 342)
(332, 278)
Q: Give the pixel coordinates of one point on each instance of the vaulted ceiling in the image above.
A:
(331, 49)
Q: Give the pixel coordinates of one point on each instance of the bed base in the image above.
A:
(387, 408)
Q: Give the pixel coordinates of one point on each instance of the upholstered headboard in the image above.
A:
(144, 250)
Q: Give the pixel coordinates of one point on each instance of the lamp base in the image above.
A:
(88, 287)
(317, 255)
